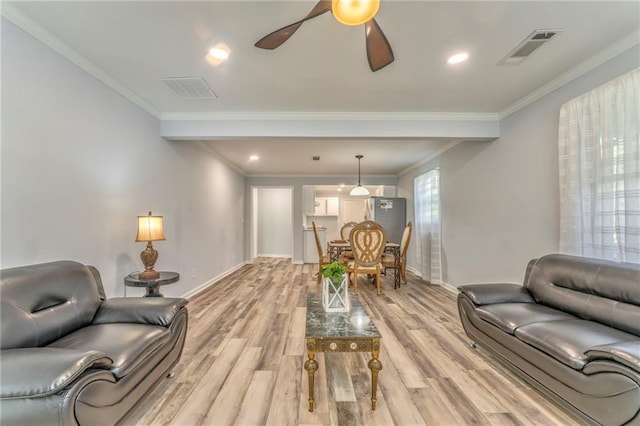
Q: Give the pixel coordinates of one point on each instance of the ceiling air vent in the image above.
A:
(528, 46)
(189, 87)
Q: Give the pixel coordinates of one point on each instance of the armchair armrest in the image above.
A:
(626, 353)
(38, 372)
(487, 294)
(139, 310)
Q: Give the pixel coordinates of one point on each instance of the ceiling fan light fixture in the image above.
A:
(359, 190)
(354, 12)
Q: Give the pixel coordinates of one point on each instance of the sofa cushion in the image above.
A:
(126, 344)
(568, 340)
(41, 303)
(509, 316)
(592, 289)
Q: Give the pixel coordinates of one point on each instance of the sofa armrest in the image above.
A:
(626, 353)
(139, 310)
(487, 294)
(38, 372)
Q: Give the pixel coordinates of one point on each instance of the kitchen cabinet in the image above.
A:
(332, 206)
(326, 206)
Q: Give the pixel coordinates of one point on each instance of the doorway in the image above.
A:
(272, 222)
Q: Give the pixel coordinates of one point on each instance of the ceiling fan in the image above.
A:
(349, 12)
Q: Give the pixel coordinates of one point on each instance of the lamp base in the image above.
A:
(149, 256)
(149, 275)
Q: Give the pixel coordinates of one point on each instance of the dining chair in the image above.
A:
(346, 230)
(344, 234)
(389, 260)
(323, 259)
(367, 240)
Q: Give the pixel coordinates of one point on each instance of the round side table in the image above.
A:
(152, 286)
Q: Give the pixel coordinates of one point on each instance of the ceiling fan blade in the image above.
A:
(276, 38)
(379, 53)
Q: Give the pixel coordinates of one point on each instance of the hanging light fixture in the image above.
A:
(359, 190)
(354, 12)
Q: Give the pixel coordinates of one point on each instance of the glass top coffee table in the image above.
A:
(351, 331)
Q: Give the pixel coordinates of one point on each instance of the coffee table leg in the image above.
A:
(375, 365)
(311, 365)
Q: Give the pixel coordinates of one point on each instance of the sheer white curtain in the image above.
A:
(599, 155)
(427, 226)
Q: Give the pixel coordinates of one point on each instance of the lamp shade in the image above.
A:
(354, 12)
(150, 228)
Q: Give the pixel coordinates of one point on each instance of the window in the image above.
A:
(427, 213)
(599, 159)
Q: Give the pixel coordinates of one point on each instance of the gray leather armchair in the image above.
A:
(70, 356)
(572, 330)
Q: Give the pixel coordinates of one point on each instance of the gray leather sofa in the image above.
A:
(70, 356)
(572, 330)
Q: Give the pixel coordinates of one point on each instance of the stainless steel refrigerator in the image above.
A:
(391, 213)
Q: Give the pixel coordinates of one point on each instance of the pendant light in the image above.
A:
(359, 190)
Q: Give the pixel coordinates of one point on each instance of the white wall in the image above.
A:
(80, 162)
(275, 222)
(500, 200)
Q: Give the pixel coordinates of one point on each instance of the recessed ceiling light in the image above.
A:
(254, 158)
(218, 54)
(457, 58)
(339, 189)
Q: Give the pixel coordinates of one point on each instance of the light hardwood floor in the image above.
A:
(243, 362)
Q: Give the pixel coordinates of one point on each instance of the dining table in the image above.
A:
(336, 247)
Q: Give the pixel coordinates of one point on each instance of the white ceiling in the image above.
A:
(322, 68)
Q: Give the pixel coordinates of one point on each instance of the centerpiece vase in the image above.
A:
(335, 296)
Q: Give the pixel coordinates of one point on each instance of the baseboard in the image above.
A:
(207, 284)
(445, 285)
(297, 262)
(285, 256)
(449, 287)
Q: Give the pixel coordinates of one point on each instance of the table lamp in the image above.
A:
(149, 229)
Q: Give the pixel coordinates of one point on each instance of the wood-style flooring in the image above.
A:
(245, 349)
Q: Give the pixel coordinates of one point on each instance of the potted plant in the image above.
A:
(335, 290)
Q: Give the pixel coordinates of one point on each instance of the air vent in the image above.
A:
(529, 45)
(316, 158)
(189, 87)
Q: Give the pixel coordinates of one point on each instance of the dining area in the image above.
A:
(365, 250)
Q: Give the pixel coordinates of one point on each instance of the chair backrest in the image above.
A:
(318, 243)
(406, 237)
(345, 231)
(368, 240)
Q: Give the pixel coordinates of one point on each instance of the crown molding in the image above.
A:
(221, 158)
(430, 157)
(598, 59)
(329, 115)
(329, 176)
(45, 37)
